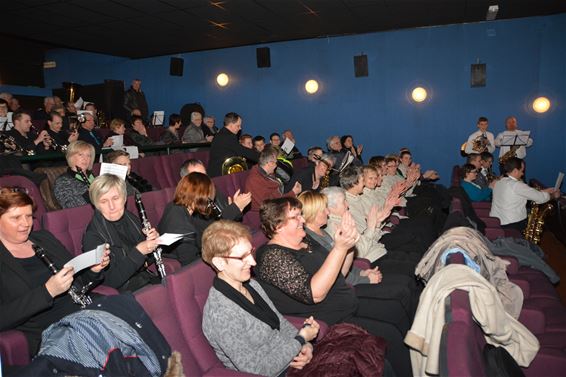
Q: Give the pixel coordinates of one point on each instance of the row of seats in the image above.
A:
(542, 313)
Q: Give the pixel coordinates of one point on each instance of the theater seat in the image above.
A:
(68, 226)
(33, 191)
(14, 348)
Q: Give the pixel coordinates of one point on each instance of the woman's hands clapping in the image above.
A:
(346, 235)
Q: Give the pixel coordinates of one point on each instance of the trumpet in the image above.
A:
(79, 296)
(146, 227)
(11, 144)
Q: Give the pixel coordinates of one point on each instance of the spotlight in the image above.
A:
(541, 105)
(419, 94)
(222, 79)
(311, 86)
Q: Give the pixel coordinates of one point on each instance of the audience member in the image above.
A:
(134, 98)
(43, 112)
(294, 153)
(122, 230)
(134, 182)
(31, 297)
(60, 139)
(171, 134)
(210, 129)
(262, 183)
(138, 132)
(475, 192)
(88, 134)
(240, 322)
(312, 176)
(246, 141)
(314, 154)
(275, 139)
(225, 144)
(347, 142)
(5, 119)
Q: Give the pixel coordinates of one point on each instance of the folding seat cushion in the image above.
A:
(33, 191)
(14, 348)
(68, 226)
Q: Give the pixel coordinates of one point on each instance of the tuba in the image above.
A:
(234, 164)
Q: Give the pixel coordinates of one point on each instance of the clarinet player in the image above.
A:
(31, 297)
(122, 230)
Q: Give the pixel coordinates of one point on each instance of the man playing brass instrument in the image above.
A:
(481, 140)
(511, 130)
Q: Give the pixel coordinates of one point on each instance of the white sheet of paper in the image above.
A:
(79, 103)
(169, 238)
(119, 170)
(88, 259)
(79, 112)
(559, 180)
(287, 146)
(516, 138)
(158, 117)
(132, 151)
(117, 141)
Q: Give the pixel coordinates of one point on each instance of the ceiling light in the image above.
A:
(419, 94)
(541, 105)
(222, 79)
(311, 86)
(492, 12)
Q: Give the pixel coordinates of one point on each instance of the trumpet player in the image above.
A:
(60, 138)
(482, 140)
(26, 139)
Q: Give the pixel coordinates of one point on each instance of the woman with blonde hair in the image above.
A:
(71, 187)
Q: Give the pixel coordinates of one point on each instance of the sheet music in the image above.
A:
(287, 146)
(511, 138)
(170, 238)
(79, 103)
(87, 259)
(115, 169)
(132, 151)
(158, 117)
(559, 180)
(117, 141)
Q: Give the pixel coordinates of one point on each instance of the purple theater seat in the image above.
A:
(251, 219)
(155, 203)
(203, 155)
(240, 180)
(481, 205)
(33, 191)
(362, 263)
(14, 348)
(151, 168)
(300, 163)
(456, 176)
(258, 239)
(155, 133)
(225, 184)
(68, 226)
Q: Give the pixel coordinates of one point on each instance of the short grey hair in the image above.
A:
(334, 194)
(330, 160)
(267, 155)
(103, 184)
(350, 176)
(193, 115)
(329, 140)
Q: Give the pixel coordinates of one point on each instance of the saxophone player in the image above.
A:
(482, 140)
(511, 130)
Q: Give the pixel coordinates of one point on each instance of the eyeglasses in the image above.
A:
(241, 259)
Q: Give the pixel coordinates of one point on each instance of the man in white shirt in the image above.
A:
(482, 139)
(511, 130)
(510, 196)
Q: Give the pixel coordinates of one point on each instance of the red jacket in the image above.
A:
(263, 186)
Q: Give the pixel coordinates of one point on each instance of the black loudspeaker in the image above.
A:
(478, 75)
(361, 66)
(263, 57)
(176, 67)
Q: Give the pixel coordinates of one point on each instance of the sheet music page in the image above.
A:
(115, 169)
(170, 238)
(158, 117)
(117, 141)
(559, 180)
(87, 259)
(132, 151)
(287, 146)
(79, 103)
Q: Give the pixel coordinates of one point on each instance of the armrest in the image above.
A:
(14, 348)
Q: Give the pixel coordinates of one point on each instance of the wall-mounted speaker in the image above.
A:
(361, 66)
(478, 75)
(176, 66)
(263, 57)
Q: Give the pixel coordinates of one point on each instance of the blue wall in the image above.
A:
(525, 58)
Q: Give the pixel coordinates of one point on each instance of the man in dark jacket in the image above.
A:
(226, 144)
(134, 98)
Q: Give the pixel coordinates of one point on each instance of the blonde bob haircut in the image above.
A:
(116, 123)
(220, 237)
(103, 184)
(313, 203)
(79, 146)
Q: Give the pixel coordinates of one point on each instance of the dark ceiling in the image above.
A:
(143, 28)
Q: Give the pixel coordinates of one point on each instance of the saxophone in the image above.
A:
(535, 221)
(512, 152)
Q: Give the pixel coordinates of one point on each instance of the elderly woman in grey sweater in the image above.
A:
(240, 322)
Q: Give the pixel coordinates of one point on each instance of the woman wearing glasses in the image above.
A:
(122, 230)
(474, 191)
(190, 213)
(305, 279)
(31, 296)
(242, 325)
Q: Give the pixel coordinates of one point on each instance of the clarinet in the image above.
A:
(146, 227)
(215, 211)
(83, 175)
(79, 297)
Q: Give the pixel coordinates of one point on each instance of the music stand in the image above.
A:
(516, 139)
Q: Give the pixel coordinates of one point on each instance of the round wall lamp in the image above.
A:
(541, 105)
(311, 86)
(222, 79)
(419, 94)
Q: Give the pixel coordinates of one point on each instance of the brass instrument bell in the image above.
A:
(234, 164)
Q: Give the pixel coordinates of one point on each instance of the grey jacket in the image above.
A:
(193, 134)
(244, 343)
